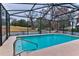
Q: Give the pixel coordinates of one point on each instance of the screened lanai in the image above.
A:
(37, 18)
(43, 18)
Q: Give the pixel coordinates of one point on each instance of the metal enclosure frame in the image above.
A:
(7, 28)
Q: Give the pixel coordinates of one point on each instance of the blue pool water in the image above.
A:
(43, 41)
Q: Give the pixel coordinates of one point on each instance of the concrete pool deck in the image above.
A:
(7, 48)
(65, 49)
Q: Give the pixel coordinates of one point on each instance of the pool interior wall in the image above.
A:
(43, 41)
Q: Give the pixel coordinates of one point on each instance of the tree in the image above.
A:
(21, 22)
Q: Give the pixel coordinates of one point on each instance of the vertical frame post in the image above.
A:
(0, 27)
(72, 28)
(72, 24)
(9, 25)
(40, 27)
(6, 25)
(50, 26)
(27, 29)
(63, 27)
(57, 26)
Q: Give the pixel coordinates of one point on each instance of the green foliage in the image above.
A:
(21, 22)
(75, 30)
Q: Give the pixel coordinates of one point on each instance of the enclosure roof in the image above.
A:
(20, 9)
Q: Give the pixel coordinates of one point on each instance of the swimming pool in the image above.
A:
(28, 43)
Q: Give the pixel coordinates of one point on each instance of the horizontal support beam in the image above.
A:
(32, 3)
(56, 4)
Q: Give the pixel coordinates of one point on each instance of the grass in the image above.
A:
(20, 29)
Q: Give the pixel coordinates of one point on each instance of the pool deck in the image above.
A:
(65, 49)
(7, 48)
